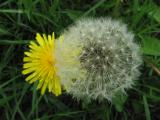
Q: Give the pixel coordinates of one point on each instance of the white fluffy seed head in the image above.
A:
(109, 64)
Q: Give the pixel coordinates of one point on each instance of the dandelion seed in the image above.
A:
(97, 57)
(116, 56)
(93, 66)
(103, 47)
(111, 47)
(92, 49)
(107, 58)
(104, 66)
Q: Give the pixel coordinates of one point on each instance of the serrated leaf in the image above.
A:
(150, 46)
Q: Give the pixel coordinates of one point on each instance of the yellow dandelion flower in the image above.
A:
(39, 64)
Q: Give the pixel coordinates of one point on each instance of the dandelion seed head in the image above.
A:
(110, 63)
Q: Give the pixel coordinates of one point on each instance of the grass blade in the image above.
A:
(146, 108)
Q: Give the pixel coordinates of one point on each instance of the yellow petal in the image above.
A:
(35, 78)
(45, 38)
(33, 46)
(27, 59)
(50, 86)
(31, 76)
(53, 36)
(50, 41)
(40, 83)
(28, 70)
(28, 65)
(57, 86)
(39, 39)
(44, 88)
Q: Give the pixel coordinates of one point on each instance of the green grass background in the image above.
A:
(20, 20)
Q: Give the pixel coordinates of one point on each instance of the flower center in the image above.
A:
(50, 61)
